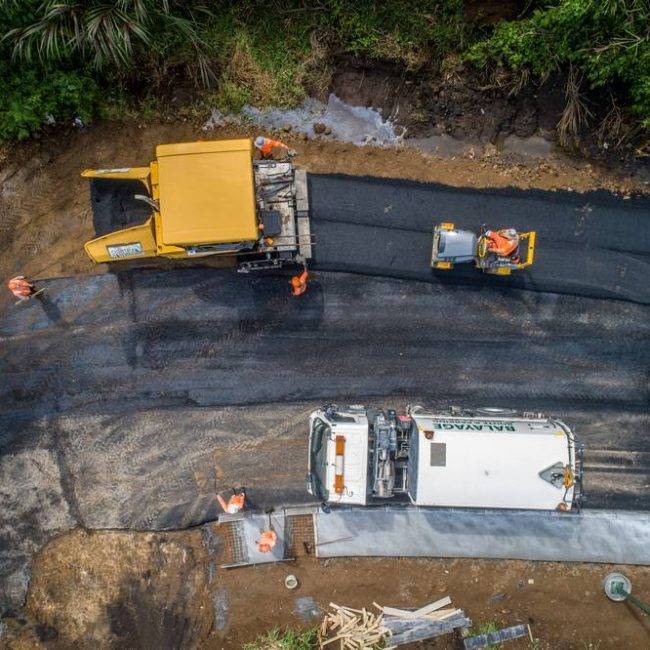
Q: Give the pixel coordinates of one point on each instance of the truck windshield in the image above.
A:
(318, 458)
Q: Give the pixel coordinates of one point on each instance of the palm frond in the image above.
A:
(50, 37)
(107, 32)
(204, 63)
(110, 31)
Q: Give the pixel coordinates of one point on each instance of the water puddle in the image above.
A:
(533, 147)
(341, 121)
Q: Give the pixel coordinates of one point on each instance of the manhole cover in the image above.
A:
(617, 586)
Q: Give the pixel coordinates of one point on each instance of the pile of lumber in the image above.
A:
(354, 629)
(360, 629)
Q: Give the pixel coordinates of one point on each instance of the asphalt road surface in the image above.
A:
(128, 400)
(593, 244)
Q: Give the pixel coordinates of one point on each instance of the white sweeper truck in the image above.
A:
(481, 458)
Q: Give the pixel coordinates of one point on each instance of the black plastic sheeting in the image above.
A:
(594, 244)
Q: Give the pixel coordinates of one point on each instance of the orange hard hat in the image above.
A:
(19, 286)
(299, 283)
(267, 541)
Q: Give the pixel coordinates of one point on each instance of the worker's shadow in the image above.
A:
(50, 308)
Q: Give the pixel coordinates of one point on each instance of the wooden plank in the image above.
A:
(427, 609)
(392, 611)
(328, 641)
(345, 608)
(442, 614)
(418, 613)
(352, 629)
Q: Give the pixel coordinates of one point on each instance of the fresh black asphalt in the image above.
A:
(593, 244)
(109, 346)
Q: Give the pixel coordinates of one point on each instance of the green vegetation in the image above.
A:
(287, 640)
(31, 98)
(603, 44)
(266, 52)
(61, 56)
(63, 59)
(486, 628)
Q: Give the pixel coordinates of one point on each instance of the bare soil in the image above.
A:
(44, 204)
(454, 101)
(450, 98)
(166, 590)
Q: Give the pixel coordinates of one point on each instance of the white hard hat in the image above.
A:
(259, 141)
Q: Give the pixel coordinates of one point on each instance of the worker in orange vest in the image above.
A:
(267, 541)
(299, 283)
(234, 504)
(21, 287)
(502, 242)
(272, 149)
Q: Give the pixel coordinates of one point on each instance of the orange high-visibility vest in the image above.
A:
(267, 541)
(234, 504)
(299, 283)
(20, 287)
(501, 244)
(269, 145)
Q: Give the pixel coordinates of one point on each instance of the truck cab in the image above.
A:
(482, 458)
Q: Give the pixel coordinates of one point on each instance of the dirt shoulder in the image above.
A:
(45, 212)
(115, 589)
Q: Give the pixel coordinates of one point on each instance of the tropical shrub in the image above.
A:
(31, 97)
(63, 58)
(606, 44)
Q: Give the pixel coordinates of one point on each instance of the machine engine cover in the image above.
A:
(456, 245)
(272, 221)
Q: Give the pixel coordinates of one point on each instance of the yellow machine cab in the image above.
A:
(202, 198)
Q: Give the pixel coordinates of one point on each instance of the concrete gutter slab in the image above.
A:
(592, 536)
